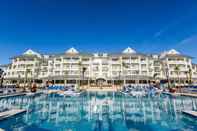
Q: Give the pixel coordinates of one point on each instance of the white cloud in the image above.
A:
(189, 46)
(189, 40)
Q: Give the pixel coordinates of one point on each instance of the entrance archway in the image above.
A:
(100, 81)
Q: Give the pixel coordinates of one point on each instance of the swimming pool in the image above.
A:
(100, 111)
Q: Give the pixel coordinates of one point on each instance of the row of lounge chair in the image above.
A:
(139, 90)
(3, 109)
(195, 87)
(63, 88)
(7, 91)
(138, 87)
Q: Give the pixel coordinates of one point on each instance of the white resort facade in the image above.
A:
(126, 67)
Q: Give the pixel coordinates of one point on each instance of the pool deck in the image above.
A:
(12, 95)
(181, 94)
(10, 113)
(189, 94)
(101, 90)
(33, 94)
(191, 113)
(20, 94)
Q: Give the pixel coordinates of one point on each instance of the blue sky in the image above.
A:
(52, 26)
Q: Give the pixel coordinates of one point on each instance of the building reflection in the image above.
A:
(98, 110)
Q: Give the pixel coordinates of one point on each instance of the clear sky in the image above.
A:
(52, 26)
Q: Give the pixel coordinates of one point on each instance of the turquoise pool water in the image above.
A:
(100, 112)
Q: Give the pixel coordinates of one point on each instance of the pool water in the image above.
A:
(100, 111)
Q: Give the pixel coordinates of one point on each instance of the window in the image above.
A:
(85, 59)
(105, 69)
(57, 72)
(57, 65)
(58, 59)
(143, 59)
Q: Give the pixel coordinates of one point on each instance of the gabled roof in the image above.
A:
(28, 54)
(172, 53)
(128, 50)
(72, 51)
(31, 52)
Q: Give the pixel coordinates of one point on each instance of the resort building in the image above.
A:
(126, 67)
(177, 67)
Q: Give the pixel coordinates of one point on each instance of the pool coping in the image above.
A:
(13, 112)
(12, 95)
(190, 113)
(181, 94)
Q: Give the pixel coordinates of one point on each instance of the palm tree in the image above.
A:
(36, 74)
(2, 77)
(126, 67)
(177, 71)
(80, 71)
(26, 77)
(190, 75)
(187, 76)
(83, 72)
(155, 76)
(65, 77)
(35, 77)
(166, 72)
(18, 82)
(1, 72)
